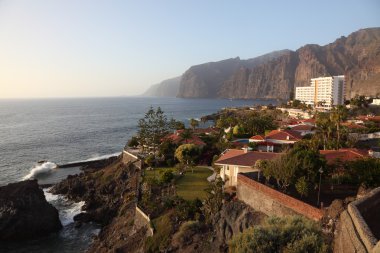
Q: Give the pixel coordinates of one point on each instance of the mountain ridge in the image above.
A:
(276, 74)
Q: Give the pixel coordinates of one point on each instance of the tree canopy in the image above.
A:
(152, 128)
(187, 153)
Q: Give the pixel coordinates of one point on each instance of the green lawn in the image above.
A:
(156, 172)
(192, 185)
(189, 186)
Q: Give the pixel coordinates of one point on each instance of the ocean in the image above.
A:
(60, 131)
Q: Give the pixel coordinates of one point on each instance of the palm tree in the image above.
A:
(186, 135)
(194, 123)
(338, 114)
(323, 127)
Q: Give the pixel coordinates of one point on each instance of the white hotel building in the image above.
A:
(327, 91)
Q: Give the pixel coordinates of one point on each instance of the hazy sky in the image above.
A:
(78, 48)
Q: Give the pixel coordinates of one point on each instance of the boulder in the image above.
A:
(25, 213)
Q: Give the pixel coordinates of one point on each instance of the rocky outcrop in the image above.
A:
(110, 199)
(275, 75)
(233, 219)
(25, 213)
(167, 88)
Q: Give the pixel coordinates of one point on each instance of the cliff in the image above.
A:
(206, 80)
(276, 74)
(167, 88)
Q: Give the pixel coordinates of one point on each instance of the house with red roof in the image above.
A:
(276, 140)
(353, 126)
(373, 118)
(308, 122)
(177, 139)
(303, 129)
(343, 155)
(234, 161)
(336, 158)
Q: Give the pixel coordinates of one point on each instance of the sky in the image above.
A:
(91, 48)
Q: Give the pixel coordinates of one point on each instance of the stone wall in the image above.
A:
(141, 220)
(271, 202)
(354, 232)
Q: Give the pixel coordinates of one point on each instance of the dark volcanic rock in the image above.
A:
(25, 213)
(110, 197)
(233, 219)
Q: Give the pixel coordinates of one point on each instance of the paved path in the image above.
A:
(213, 176)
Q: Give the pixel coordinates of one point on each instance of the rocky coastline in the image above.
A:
(25, 213)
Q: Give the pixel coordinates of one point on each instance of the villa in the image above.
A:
(343, 155)
(276, 140)
(235, 161)
(303, 129)
(177, 139)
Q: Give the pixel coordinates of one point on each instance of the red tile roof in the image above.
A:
(257, 137)
(284, 135)
(177, 139)
(248, 159)
(302, 128)
(308, 121)
(369, 118)
(344, 155)
(352, 125)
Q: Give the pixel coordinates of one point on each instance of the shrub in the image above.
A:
(166, 177)
(290, 234)
(187, 230)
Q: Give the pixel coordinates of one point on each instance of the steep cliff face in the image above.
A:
(275, 75)
(272, 79)
(357, 57)
(167, 88)
(206, 80)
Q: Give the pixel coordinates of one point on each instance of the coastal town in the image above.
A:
(302, 175)
(189, 126)
(316, 156)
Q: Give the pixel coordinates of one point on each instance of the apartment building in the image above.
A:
(323, 92)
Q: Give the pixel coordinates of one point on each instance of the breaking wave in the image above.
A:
(67, 209)
(44, 168)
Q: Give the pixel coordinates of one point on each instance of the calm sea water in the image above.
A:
(66, 130)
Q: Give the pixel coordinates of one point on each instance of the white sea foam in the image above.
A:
(50, 197)
(67, 209)
(66, 215)
(44, 168)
